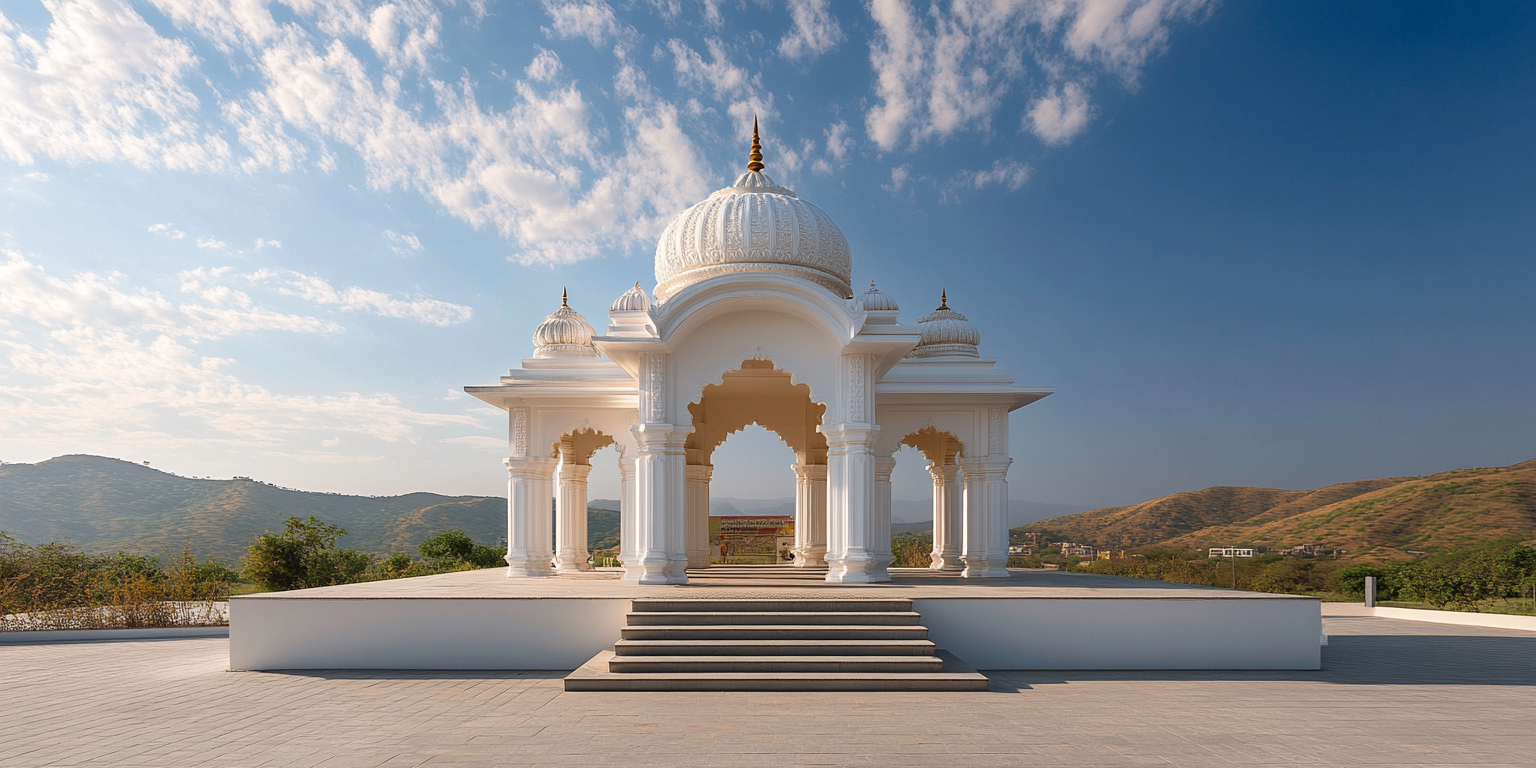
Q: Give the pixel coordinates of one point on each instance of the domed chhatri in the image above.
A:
(754, 225)
(946, 332)
(565, 333)
(632, 300)
(874, 300)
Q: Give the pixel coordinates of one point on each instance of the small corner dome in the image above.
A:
(946, 332)
(564, 333)
(754, 225)
(874, 300)
(632, 300)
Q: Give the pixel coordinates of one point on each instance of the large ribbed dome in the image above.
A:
(754, 225)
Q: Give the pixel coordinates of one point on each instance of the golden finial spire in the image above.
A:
(756, 157)
(563, 305)
(943, 299)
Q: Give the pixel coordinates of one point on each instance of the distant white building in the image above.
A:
(1230, 552)
(754, 321)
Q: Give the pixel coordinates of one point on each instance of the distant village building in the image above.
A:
(1230, 552)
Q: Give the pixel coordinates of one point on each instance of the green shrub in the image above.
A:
(304, 555)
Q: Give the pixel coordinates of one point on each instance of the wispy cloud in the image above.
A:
(167, 230)
(405, 245)
(814, 30)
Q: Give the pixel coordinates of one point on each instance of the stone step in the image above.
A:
(772, 606)
(775, 632)
(671, 647)
(698, 618)
(595, 676)
(903, 664)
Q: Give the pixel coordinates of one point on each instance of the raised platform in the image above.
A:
(1032, 620)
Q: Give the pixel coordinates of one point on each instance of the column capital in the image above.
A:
(651, 437)
(575, 473)
(982, 467)
(810, 471)
(883, 467)
(524, 467)
(849, 435)
(699, 473)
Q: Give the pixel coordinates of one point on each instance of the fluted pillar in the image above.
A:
(880, 522)
(853, 555)
(810, 515)
(528, 517)
(571, 553)
(985, 526)
(626, 506)
(946, 516)
(660, 554)
(698, 514)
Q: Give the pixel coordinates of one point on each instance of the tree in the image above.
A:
(304, 555)
(451, 550)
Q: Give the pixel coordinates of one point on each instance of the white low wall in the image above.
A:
(1494, 620)
(560, 634)
(446, 633)
(109, 635)
(1163, 633)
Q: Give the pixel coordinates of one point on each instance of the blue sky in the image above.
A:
(1279, 244)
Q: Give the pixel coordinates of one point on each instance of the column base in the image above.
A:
(984, 569)
(857, 572)
(655, 572)
(576, 566)
(815, 557)
(528, 569)
(943, 563)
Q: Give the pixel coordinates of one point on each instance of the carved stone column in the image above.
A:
(853, 554)
(698, 514)
(626, 506)
(528, 516)
(660, 554)
(880, 523)
(571, 517)
(810, 515)
(946, 516)
(985, 535)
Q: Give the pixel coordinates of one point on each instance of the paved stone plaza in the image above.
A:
(1391, 693)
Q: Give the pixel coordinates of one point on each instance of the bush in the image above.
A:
(455, 550)
(59, 586)
(304, 555)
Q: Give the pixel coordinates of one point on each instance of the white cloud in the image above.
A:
(356, 299)
(101, 87)
(262, 242)
(1008, 173)
(814, 32)
(78, 347)
(209, 242)
(404, 245)
(899, 176)
(1058, 116)
(948, 69)
(167, 230)
(592, 19)
(544, 68)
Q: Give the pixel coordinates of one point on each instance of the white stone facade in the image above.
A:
(754, 324)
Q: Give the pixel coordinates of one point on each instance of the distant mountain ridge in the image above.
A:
(105, 504)
(108, 504)
(1372, 519)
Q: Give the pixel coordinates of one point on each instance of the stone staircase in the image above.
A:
(774, 645)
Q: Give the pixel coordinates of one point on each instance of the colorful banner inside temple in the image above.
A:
(762, 540)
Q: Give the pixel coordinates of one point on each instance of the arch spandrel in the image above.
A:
(800, 348)
(896, 424)
(551, 425)
(756, 393)
(581, 443)
(936, 445)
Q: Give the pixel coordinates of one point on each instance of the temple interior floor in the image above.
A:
(1390, 692)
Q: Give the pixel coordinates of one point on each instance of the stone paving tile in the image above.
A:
(1392, 693)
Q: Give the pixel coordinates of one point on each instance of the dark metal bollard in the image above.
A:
(1370, 591)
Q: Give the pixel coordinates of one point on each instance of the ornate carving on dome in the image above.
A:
(754, 225)
(946, 332)
(564, 333)
(632, 300)
(874, 300)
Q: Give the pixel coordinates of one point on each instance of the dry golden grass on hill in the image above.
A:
(1372, 519)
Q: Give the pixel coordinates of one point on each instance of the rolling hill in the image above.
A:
(105, 504)
(1372, 519)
